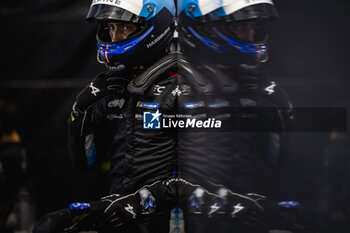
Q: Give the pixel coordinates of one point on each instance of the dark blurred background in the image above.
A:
(49, 54)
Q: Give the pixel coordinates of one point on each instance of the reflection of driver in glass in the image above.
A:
(231, 33)
(250, 31)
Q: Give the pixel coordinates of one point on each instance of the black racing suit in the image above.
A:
(209, 157)
(113, 128)
(253, 112)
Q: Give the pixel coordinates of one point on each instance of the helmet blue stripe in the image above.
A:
(243, 47)
(209, 43)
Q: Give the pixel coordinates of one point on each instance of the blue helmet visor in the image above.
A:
(246, 31)
(263, 12)
(104, 36)
(244, 47)
(104, 12)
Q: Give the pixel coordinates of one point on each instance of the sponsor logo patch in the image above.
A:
(237, 208)
(78, 206)
(116, 103)
(289, 204)
(130, 209)
(270, 89)
(158, 89)
(153, 106)
(194, 105)
(176, 91)
(94, 90)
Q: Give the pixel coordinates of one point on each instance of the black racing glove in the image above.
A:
(224, 202)
(111, 213)
(77, 217)
(150, 199)
(102, 85)
(106, 214)
(247, 212)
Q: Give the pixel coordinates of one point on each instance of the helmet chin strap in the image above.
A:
(99, 60)
(248, 67)
(254, 66)
(120, 67)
